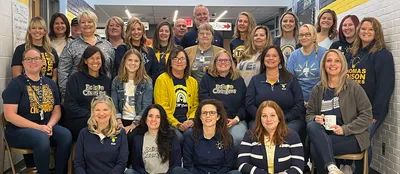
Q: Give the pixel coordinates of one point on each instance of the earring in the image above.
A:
(280, 66)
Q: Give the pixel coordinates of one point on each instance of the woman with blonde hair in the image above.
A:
(36, 37)
(245, 24)
(163, 41)
(102, 146)
(326, 28)
(346, 101)
(287, 40)
(249, 65)
(115, 31)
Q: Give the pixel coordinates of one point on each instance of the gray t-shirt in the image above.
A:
(151, 157)
(202, 62)
(287, 47)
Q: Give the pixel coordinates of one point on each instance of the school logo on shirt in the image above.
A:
(306, 70)
(48, 99)
(113, 141)
(238, 52)
(48, 62)
(283, 86)
(93, 90)
(145, 58)
(224, 89)
(357, 74)
(181, 96)
(220, 145)
(287, 49)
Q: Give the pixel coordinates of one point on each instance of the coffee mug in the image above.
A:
(330, 120)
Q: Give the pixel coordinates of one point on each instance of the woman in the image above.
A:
(36, 37)
(371, 65)
(344, 98)
(135, 39)
(32, 110)
(177, 92)
(347, 33)
(102, 145)
(115, 31)
(304, 62)
(90, 81)
(201, 55)
(287, 41)
(72, 53)
(163, 41)
(276, 83)
(208, 149)
(270, 147)
(248, 65)
(223, 82)
(326, 28)
(245, 24)
(132, 92)
(156, 148)
(59, 32)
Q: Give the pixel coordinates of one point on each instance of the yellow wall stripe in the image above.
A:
(340, 6)
(70, 16)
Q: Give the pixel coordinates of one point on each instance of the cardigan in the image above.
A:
(354, 106)
(191, 52)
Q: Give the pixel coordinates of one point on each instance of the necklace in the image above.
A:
(39, 95)
(356, 60)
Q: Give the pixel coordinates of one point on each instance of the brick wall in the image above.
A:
(388, 13)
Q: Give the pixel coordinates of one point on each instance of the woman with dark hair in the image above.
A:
(156, 148)
(245, 24)
(287, 40)
(90, 81)
(270, 147)
(177, 92)
(326, 28)
(347, 33)
(59, 32)
(163, 41)
(209, 147)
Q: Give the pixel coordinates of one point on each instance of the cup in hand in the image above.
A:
(330, 120)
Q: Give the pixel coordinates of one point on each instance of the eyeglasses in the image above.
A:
(211, 113)
(205, 34)
(305, 35)
(179, 59)
(223, 60)
(32, 59)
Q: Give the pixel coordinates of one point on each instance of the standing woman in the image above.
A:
(326, 28)
(177, 92)
(32, 110)
(245, 24)
(36, 37)
(115, 32)
(249, 65)
(72, 53)
(304, 62)
(372, 66)
(163, 41)
(59, 32)
(132, 92)
(287, 40)
(102, 145)
(90, 81)
(347, 33)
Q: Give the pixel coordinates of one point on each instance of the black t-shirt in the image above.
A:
(330, 105)
(342, 46)
(26, 97)
(181, 107)
(163, 56)
(49, 62)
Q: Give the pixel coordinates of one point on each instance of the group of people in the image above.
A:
(181, 103)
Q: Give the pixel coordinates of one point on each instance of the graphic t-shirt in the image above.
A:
(129, 111)
(151, 158)
(248, 68)
(181, 107)
(202, 61)
(330, 105)
(237, 48)
(287, 47)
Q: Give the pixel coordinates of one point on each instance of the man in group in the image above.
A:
(180, 28)
(75, 29)
(201, 16)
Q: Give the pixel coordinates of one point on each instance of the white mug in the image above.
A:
(330, 120)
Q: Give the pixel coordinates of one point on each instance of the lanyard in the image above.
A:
(39, 94)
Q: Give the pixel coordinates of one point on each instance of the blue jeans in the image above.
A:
(325, 146)
(40, 143)
(179, 134)
(237, 131)
(181, 170)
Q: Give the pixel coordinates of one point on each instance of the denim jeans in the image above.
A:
(180, 134)
(40, 143)
(181, 170)
(237, 131)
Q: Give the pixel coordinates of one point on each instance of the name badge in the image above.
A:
(202, 59)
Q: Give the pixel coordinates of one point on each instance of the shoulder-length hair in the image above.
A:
(165, 134)
(379, 40)
(259, 132)
(89, 14)
(140, 73)
(208, 27)
(174, 52)
(89, 52)
(250, 48)
(156, 37)
(296, 25)
(221, 125)
(251, 24)
(46, 43)
(128, 35)
(120, 22)
(52, 33)
(355, 21)
(212, 70)
(342, 74)
(283, 72)
(332, 31)
(313, 33)
(112, 128)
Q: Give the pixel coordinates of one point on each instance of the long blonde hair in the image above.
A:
(379, 37)
(252, 23)
(212, 70)
(342, 74)
(112, 128)
(120, 22)
(46, 43)
(128, 35)
(250, 48)
(296, 25)
(140, 73)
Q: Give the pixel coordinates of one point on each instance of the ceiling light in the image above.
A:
(175, 15)
(128, 13)
(220, 16)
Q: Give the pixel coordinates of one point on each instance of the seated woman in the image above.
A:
(223, 82)
(90, 81)
(177, 92)
(346, 100)
(32, 110)
(156, 148)
(270, 147)
(102, 147)
(209, 147)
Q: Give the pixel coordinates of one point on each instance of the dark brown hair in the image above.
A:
(355, 21)
(174, 52)
(332, 31)
(52, 33)
(283, 72)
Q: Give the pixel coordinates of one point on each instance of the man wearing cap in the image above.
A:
(180, 28)
(75, 29)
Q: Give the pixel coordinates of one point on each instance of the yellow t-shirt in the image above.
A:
(270, 149)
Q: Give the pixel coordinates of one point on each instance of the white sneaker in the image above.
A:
(335, 171)
(347, 169)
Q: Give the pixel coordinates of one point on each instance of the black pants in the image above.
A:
(130, 136)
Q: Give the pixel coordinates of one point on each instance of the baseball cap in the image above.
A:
(74, 21)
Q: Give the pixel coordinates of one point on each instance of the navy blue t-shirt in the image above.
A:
(181, 107)
(237, 48)
(21, 93)
(330, 105)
